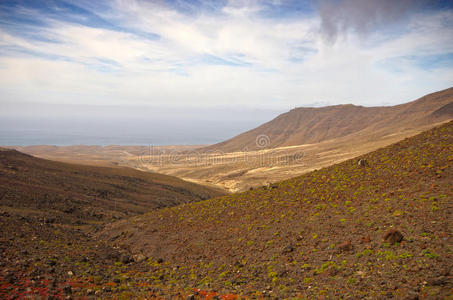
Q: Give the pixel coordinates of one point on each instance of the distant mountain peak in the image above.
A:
(307, 125)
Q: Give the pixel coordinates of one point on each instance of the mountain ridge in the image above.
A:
(307, 125)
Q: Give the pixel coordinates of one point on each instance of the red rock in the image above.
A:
(365, 239)
(346, 246)
(393, 236)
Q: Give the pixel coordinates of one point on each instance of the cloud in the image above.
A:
(254, 53)
(338, 17)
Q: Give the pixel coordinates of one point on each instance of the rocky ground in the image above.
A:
(44, 260)
(49, 212)
(378, 230)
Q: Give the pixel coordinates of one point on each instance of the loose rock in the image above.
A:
(362, 162)
(392, 236)
(125, 259)
(139, 258)
(365, 239)
(67, 289)
(287, 249)
(346, 246)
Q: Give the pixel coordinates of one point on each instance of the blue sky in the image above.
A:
(271, 54)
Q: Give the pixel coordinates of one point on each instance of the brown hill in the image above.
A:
(378, 230)
(313, 125)
(48, 211)
(78, 193)
(446, 110)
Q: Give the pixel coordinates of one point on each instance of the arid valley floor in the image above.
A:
(365, 214)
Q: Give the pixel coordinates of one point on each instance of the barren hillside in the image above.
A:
(77, 193)
(313, 125)
(379, 230)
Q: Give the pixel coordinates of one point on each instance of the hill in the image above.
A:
(308, 125)
(49, 211)
(379, 230)
(69, 193)
(305, 139)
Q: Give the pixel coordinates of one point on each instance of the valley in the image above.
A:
(378, 230)
(294, 143)
(226, 150)
(277, 219)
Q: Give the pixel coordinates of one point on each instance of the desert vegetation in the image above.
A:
(375, 230)
(157, 149)
(380, 230)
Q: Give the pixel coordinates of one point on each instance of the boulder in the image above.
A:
(393, 236)
(362, 162)
(346, 246)
(287, 249)
(365, 239)
(139, 258)
(125, 259)
(67, 289)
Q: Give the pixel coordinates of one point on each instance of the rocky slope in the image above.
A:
(308, 125)
(381, 229)
(75, 193)
(377, 230)
(49, 211)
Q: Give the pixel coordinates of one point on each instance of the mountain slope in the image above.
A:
(77, 193)
(320, 234)
(314, 125)
(49, 211)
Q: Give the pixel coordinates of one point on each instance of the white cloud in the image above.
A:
(285, 62)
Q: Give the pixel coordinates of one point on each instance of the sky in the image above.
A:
(269, 55)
